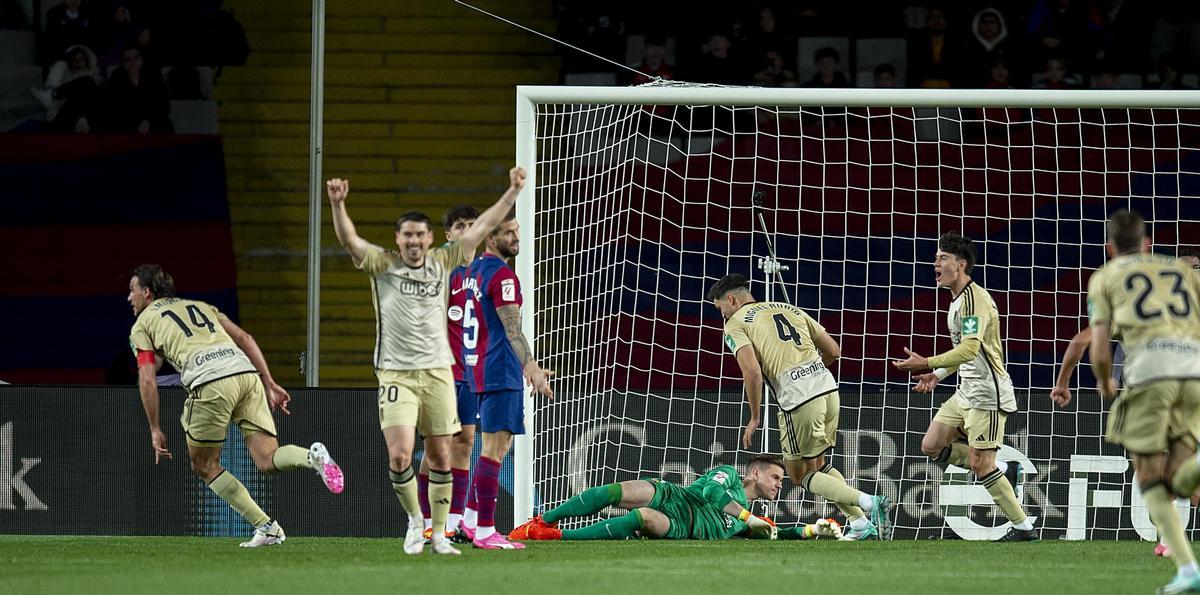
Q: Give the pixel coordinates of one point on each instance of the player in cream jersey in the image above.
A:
(969, 427)
(791, 350)
(220, 364)
(412, 355)
(1149, 303)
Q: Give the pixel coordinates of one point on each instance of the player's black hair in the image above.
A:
(512, 214)
(728, 283)
(417, 216)
(1192, 251)
(960, 246)
(765, 460)
(154, 278)
(457, 212)
(1126, 231)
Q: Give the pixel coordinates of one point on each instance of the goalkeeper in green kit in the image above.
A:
(715, 506)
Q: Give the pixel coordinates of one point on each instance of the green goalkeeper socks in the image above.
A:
(290, 456)
(589, 501)
(622, 527)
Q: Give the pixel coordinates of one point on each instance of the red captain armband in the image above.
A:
(145, 358)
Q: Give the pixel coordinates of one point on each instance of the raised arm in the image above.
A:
(510, 317)
(347, 235)
(489, 219)
(276, 395)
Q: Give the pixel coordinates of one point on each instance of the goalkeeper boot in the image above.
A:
(440, 544)
(331, 474)
(879, 515)
(863, 533)
(268, 534)
(1015, 534)
(1181, 584)
(1161, 551)
(521, 532)
(414, 537)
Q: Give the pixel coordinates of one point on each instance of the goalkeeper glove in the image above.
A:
(762, 528)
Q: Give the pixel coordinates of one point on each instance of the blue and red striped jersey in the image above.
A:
(488, 357)
(454, 318)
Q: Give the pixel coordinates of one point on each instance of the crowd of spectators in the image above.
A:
(1052, 44)
(115, 65)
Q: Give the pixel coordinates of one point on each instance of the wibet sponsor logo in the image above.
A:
(11, 481)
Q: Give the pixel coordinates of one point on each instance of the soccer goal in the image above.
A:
(643, 197)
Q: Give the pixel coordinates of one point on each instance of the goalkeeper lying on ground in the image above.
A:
(715, 506)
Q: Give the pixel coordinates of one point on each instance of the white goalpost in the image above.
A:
(638, 199)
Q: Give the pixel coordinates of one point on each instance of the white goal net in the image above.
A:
(642, 200)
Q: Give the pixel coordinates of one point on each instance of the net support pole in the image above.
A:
(316, 108)
(772, 269)
(523, 444)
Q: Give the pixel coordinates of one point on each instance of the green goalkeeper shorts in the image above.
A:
(672, 501)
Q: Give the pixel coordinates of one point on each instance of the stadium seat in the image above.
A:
(194, 116)
(17, 48)
(592, 79)
(871, 52)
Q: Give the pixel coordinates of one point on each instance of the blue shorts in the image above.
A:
(468, 403)
(502, 410)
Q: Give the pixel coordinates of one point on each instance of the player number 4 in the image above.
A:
(786, 331)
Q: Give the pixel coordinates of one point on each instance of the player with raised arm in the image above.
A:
(985, 398)
(497, 360)
(412, 357)
(791, 350)
(455, 221)
(228, 381)
(1061, 394)
(715, 506)
(1148, 302)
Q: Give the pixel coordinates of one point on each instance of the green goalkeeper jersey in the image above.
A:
(710, 493)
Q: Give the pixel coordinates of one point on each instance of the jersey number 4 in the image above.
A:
(786, 331)
(1139, 306)
(198, 319)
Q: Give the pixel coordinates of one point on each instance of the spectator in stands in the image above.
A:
(989, 42)
(116, 33)
(773, 73)
(11, 16)
(1056, 76)
(654, 63)
(998, 75)
(70, 93)
(766, 37)
(933, 53)
(829, 70)
(1059, 29)
(136, 99)
(717, 64)
(67, 24)
(884, 76)
(1168, 74)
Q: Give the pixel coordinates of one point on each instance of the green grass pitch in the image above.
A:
(57, 564)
